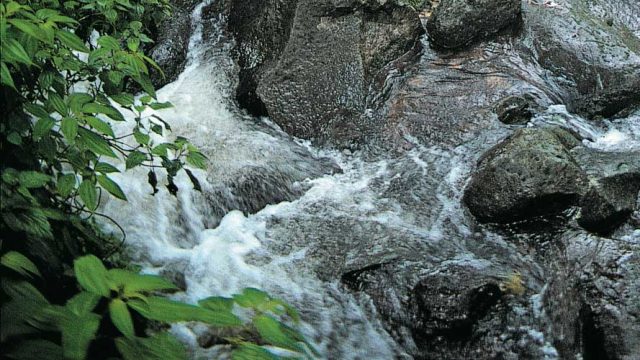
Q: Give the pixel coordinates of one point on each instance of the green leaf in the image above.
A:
(88, 194)
(12, 50)
(162, 309)
(134, 159)
(248, 351)
(270, 330)
(121, 317)
(22, 290)
(251, 298)
(110, 111)
(34, 349)
(71, 41)
(43, 126)
(95, 142)
(66, 184)
(217, 303)
(77, 334)
(14, 138)
(101, 126)
(5, 76)
(136, 283)
(77, 100)
(69, 127)
(160, 346)
(141, 138)
(133, 44)
(33, 179)
(36, 110)
(111, 187)
(105, 168)
(197, 159)
(83, 303)
(108, 42)
(123, 99)
(160, 106)
(19, 263)
(30, 29)
(92, 275)
(57, 104)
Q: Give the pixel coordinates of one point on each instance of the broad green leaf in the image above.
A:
(77, 100)
(121, 317)
(108, 42)
(71, 41)
(5, 76)
(92, 275)
(58, 104)
(19, 263)
(160, 106)
(30, 29)
(33, 179)
(34, 349)
(197, 159)
(218, 303)
(66, 184)
(111, 187)
(123, 99)
(133, 44)
(249, 351)
(43, 126)
(14, 138)
(23, 291)
(134, 159)
(140, 137)
(36, 110)
(88, 194)
(162, 309)
(95, 142)
(69, 127)
(105, 168)
(110, 111)
(160, 346)
(137, 283)
(77, 334)
(83, 303)
(101, 126)
(271, 331)
(251, 298)
(12, 50)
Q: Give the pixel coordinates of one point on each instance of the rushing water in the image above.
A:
(286, 248)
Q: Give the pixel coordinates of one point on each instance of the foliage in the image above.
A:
(117, 297)
(68, 74)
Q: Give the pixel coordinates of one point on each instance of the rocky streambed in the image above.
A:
(472, 166)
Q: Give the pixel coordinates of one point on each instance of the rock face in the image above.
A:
(613, 188)
(456, 23)
(309, 63)
(594, 48)
(529, 174)
(172, 41)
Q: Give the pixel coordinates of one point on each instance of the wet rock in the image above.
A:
(456, 23)
(597, 61)
(308, 64)
(172, 42)
(529, 174)
(261, 31)
(613, 188)
(515, 110)
(445, 312)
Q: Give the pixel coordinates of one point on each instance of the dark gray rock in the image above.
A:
(613, 188)
(516, 110)
(172, 42)
(308, 64)
(529, 174)
(596, 59)
(456, 23)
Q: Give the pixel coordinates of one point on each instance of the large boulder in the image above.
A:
(614, 185)
(531, 173)
(309, 64)
(592, 49)
(456, 23)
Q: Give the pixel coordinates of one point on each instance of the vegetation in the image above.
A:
(69, 71)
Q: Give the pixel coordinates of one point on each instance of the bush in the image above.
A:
(63, 68)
